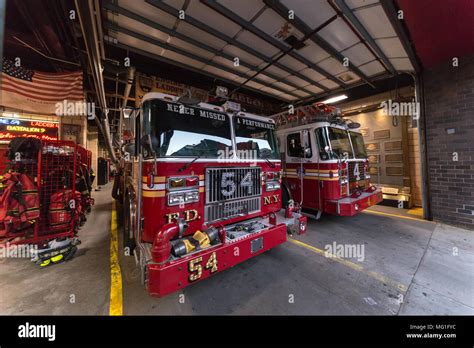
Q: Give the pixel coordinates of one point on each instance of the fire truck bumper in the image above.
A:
(350, 206)
(164, 279)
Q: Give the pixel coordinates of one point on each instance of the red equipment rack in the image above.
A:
(53, 171)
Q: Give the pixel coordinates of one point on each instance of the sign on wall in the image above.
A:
(145, 84)
(11, 128)
(71, 132)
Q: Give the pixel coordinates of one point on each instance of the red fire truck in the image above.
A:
(201, 190)
(325, 165)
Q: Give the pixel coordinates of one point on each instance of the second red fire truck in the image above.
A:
(325, 165)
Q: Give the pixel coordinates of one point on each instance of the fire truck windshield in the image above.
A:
(358, 145)
(255, 139)
(340, 143)
(178, 130)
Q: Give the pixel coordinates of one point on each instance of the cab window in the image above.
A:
(294, 147)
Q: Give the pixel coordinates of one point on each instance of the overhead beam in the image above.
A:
(282, 54)
(352, 18)
(283, 11)
(178, 50)
(152, 24)
(190, 68)
(204, 27)
(224, 11)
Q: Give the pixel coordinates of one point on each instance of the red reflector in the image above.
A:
(192, 181)
(150, 180)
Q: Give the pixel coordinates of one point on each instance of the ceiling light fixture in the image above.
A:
(335, 99)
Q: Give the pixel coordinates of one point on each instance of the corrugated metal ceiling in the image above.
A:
(213, 33)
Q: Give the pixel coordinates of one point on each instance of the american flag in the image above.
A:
(41, 86)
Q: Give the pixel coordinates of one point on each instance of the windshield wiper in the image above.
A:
(269, 162)
(186, 166)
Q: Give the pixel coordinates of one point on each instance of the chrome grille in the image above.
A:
(225, 184)
(352, 176)
(226, 210)
(231, 192)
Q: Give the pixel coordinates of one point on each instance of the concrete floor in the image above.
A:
(410, 267)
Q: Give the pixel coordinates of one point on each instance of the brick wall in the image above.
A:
(449, 95)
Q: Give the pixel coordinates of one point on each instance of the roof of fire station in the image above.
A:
(307, 51)
(304, 54)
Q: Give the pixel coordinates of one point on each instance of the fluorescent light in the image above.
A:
(334, 99)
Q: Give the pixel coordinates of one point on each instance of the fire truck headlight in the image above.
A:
(191, 196)
(175, 198)
(183, 197)
(272, 186)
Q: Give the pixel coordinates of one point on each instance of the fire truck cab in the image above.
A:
(201, 190)
(325, 168)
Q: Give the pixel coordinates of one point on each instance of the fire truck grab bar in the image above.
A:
(138, 224)
(301, 181)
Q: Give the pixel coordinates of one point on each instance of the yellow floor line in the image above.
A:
(395, 215)
(416, 211)
(116, 305)
(354, 266)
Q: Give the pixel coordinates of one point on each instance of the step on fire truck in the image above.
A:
(325, 165)
(201, 190)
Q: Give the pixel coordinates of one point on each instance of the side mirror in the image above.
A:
(127, 113)
(129, 150)
(331, 153)
(146, 144)
(128, 118)
(345, 157)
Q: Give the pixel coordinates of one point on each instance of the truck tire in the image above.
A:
(128, 242)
